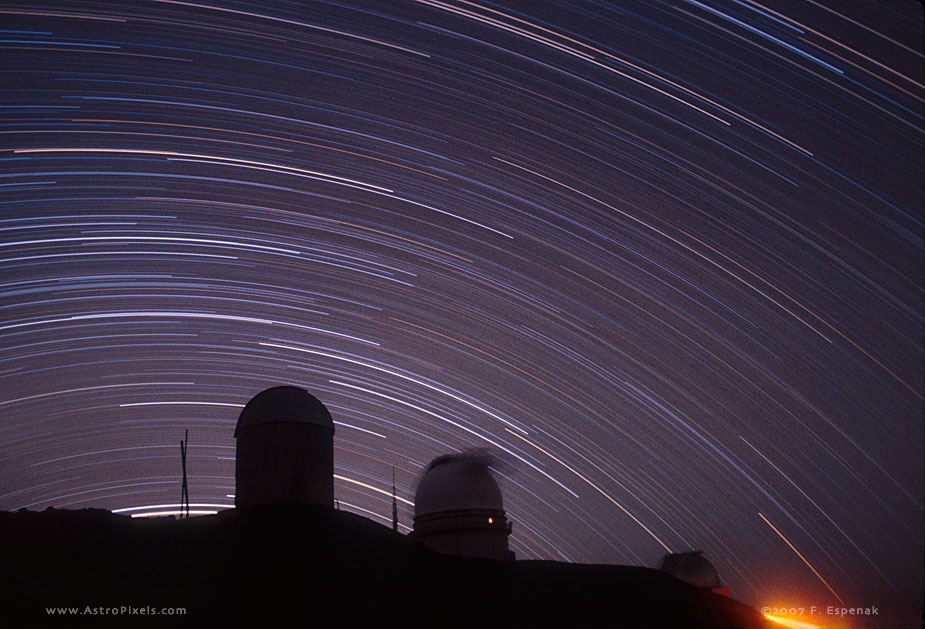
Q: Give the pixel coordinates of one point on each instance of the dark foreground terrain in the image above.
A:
(294, 565)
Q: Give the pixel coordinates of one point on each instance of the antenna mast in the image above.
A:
(394, 504)
(184, 497)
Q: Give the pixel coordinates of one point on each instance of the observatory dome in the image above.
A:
(284, 450)
(285, 404)
(692, 568)
(457, 482)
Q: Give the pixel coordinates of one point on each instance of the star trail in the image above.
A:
(662, 259)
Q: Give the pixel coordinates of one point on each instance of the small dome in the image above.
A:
(692, 568)
(457, 481)
(284, 405)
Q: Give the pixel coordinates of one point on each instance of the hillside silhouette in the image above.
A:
(286, 557)
(305, 565)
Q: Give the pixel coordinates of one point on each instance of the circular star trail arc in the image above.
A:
(663, 259)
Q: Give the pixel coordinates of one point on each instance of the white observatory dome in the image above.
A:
(455, 482)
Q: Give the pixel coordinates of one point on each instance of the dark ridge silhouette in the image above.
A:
(284, 557)
(306, 565)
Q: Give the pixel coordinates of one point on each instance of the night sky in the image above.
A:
(662, 259)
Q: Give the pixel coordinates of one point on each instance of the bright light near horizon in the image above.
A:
(178, 512)
(178, 506)
(788, 622)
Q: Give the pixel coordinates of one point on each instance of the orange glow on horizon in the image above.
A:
(788, 622)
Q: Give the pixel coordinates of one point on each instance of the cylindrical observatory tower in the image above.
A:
(285, 450)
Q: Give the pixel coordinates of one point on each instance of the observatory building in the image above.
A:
(694, 569)
(284, 450)
(458, 509)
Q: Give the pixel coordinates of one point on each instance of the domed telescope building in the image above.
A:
(458, 509)
(284, 450)
(693, 568)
